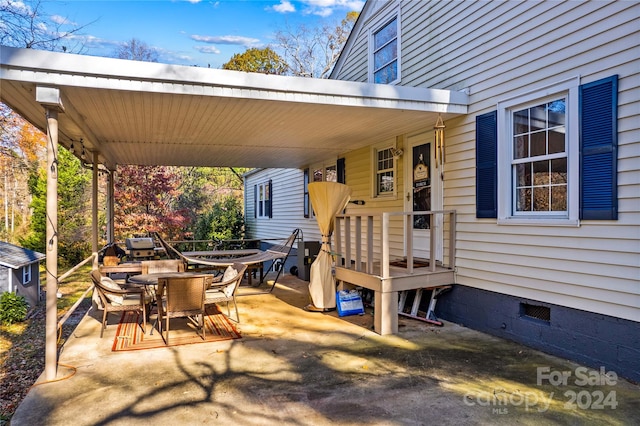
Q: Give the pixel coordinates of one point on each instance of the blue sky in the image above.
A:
(190, 32)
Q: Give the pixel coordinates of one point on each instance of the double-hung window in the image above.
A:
(539, 159)
(384, 60)
(263, 199)
(26, 274)
(385, 171)
(549, 156)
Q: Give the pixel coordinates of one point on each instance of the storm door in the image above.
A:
(424, 193)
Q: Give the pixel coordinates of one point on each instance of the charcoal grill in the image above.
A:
(140, 248)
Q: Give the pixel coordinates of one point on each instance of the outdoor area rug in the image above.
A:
(130, 337)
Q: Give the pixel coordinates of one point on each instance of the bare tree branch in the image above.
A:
(313, 51)
(26, 24)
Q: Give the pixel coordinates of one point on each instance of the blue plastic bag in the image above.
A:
(349, 303)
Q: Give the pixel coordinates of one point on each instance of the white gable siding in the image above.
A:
(498, 50)
(355, 66)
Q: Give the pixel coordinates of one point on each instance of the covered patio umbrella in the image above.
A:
(327, 200)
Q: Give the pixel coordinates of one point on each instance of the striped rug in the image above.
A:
(130, 336)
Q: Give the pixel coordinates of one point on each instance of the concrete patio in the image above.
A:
(293, 367)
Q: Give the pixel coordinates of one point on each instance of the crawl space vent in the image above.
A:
(541, 313)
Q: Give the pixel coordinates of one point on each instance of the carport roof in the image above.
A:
(144, 113)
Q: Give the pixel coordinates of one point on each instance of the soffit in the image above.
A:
(131, 112)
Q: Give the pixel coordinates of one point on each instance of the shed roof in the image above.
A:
(12, 256)
(131, 112)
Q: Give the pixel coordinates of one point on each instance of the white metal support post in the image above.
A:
(49, 98)
(110, 209)
(94, 210)
(51, 325)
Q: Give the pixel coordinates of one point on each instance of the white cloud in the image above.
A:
(207, 49)
(285, 6)
(61, 20)
(93, 42)
(227, 39)
(325, 8)
(17, 6)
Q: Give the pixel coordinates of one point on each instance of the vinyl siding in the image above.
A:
(497, 50)
(359, 177)
(288, 210)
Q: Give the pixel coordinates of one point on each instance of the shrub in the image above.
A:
(223, 222)
(13, 308)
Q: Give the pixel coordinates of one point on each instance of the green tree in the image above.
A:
(26, 24)
(202, 190)
(264, 61)
(74, 210)
(223, 222)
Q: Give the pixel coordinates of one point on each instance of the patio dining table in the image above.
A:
(151, 280)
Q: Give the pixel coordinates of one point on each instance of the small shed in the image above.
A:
(20, 271)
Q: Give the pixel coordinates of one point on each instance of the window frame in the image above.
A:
(264, 205)
(309, 174)
(375, 29)
(26, 274)
(323, 167)
(376, 172)
(569, 90)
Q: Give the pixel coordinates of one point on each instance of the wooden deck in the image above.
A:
(366, 259)
(386, 289)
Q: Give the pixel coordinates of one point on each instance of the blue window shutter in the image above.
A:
(487, 165)
(255, 200)
(599, 149)
(269, 202)
(305, 192)
(340, 166)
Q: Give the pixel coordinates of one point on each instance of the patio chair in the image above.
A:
(113, 298)
(225, 290)
(158, 266)
(163, 265)
(181, 297)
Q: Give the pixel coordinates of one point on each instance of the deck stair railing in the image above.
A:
(366, 240)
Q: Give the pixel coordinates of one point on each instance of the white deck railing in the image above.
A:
(355, 240)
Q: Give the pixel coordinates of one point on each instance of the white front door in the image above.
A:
(423, 193)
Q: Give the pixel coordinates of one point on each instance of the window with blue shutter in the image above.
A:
(599, 149)
(545, 175)
(269, 201)
(255, 200)
(305, 183)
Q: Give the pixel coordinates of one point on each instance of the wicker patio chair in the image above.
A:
(181, 297)
(163, 265)
(225, 290)
(113, 298)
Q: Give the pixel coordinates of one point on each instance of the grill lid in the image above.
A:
(139, 243)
